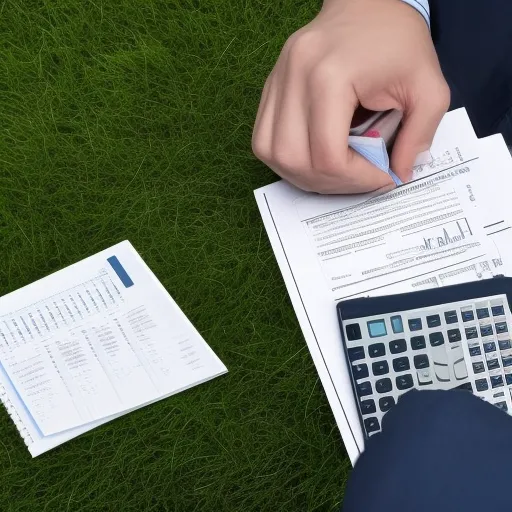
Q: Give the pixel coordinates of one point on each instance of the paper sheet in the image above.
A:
(94, 341)
(441, 213)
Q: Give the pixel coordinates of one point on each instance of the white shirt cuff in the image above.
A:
(422, 7)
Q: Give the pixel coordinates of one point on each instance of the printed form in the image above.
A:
(435, 231)
(94, 341)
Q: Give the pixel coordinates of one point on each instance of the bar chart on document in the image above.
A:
(420, 236)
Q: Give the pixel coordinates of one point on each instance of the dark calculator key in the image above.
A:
(471, 333)
(496, 381)
(371, 425)
(380, 368)
(355, 353)
(433, 321)
(498, 310)
(386, 402)
(481, 385)
(506, 361)
(465, 387)
(504, 344)
(493, 364)
(404, 382)
(377, 350)
(482, 313)
(360, 371)
(478, 367)
(421, 361)
(475, 351)
(450, 317)
(353, 332)
(490, 346)
(500, 393)
(501, 327)
(467, 316)
(486, 330)
(436, 339)
(397, 346)
(364, 389)
(415, 324)
(502, 406)
(508, 378)
(454, 335)
(383, 385)
(418, 342)
(400, 364)
(368, 407)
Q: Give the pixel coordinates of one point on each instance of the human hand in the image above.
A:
(376, 53)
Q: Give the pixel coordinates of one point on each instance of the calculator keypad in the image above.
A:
(463, 345)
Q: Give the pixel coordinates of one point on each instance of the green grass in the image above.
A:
(132, 119)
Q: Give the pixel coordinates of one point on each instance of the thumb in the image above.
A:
(419, 125)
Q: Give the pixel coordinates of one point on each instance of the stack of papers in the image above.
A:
(449, 225)
(91, 343)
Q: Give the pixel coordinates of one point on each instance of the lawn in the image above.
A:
(132, 119)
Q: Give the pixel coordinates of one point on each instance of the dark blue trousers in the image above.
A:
(449, 451)
(439, 451)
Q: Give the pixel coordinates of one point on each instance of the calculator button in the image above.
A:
(353, 332)
(481, 385)
(486, 330)
(475, 351)
(377, 328)
(490, 346)
(421, 362)
(385, 403)
(433, 321)
(360, 371)
(424, 377)
(454, 335)
(364, 389)
(471, 333)
(397, 346)
(397, 324)
(415, 324)
(418, 342)
(355, 353)
(506, 361)
(404, 382)
(478, 367)
(377, 350)
(501, 327)
(482, 313)
(383, 385)
(502, 406)
(450, 317)
(368, 407)
(498, 310)
(460, 369)
(496, 381)
(493, 364)
(371, 425)
(504, 344)
(467, 316)
(465, 387)
(380, 368)
(400, 364)
(436, 339)
(508, 378)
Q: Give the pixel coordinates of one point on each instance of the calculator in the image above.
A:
(452, 337)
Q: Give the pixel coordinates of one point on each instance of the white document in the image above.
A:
(425, 234)
(91, 342)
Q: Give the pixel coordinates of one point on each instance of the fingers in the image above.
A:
(335, 167)
(420, 122)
